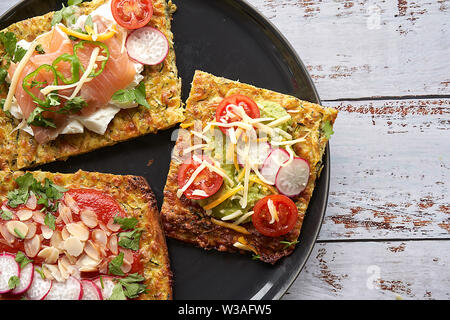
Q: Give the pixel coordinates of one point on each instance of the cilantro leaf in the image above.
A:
(141, 95)
(37, 119)
(22, 259)
(17, 197)
(133, 285)
(130, 239)
(18, 54)
(13, 282)
(126, 223)
(39, 49)
(117, 293)
(50, 220)
(73, 106)
(9, 41)
(74, 2)
(327, 129)
(115, 264)
(3, 75)
(6, 214)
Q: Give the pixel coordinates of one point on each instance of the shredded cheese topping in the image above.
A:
(273, 211)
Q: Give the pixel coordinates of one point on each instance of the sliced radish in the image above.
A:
(91, 291)
(273, 163)
(258, 152)
(147, 45)
(8, 268)
(71, 289)
(39, 288)
(106, 286)
(26, 278)
(293, 178)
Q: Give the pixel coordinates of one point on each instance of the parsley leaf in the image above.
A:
(141, 96)
(73, 105)
(50, 220)
(9, 41)
(115, 264)
(22, 259)
(18, 55)
(126, 223)
(37, 119)
(3, 75)
(13, 282)
(130, 239)
(117, 293)
(327, 129)
(39, 49)
(67, 15)
(74, 2)
(6, 214)
(137, 95)
(133, 285)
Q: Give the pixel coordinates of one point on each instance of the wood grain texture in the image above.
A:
(357, 49)
(375, 270)
(390, 170)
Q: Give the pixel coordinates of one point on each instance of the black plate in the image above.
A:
(231, 39)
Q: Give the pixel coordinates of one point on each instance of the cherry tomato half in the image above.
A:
(132, 14)
(207, 180)
(250, 108)
(287, 216)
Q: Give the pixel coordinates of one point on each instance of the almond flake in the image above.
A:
(32, 246)
(89, 218)
(78, 230)
(73, 246)
(24, 214)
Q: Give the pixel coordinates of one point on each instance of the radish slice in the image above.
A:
(8, 268)
(107, 287)
(26, 278)
(147, 45)
(258, 152)
(273, 163)
(71, 289)
(293, 178)
(39, 288)
(91, 291)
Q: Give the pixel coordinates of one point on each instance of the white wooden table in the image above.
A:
(385, 65)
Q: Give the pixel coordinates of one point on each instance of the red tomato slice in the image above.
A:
(287, 216)
(250, 108)
(132, 14)
(207, 180)
(104, 205)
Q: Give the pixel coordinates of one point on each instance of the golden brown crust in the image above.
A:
(187, 221)
(137, 199)
(163, 89)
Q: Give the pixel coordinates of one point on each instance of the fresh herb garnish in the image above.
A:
(13, 282)
(130, 239)
(39, 49)
(6, 214)
(50, 220)
(288, 243)
(126, 223)
(129, 287)
(67, 15)
(19, 234)
(327, 129)
(115, 264)
(13, 51)
(22, 259)
(132, 95)
(117, 293)
(3, 75)
(73, 106)
(37, 119)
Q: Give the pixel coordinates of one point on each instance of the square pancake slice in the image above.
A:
(224, 220)
(95, 231)
(19, 150)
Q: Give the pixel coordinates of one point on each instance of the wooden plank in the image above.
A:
(390, 170)
(375, 270)
(356, 49)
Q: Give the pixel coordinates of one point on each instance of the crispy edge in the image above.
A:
(138, 200)
(186, 221)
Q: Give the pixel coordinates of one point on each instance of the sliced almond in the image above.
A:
(100, 237)
(89, 218)
(91, 249)
(73, 246)
(17, 228)
(87, 264)
(31, 202)
(49, 254)
(32, 246)
(114, 227)
(31, 230)
(24, 214)
(65, 213)
(52, 271)
(71, 203)
(104, 228)
(103, 267)
(125, 267)
(112, 244)
(56, 240)
(78, 230)
(128, 255)
(5, 233)
(71, 259)
(38, 217)
(64, 233)
(47, 233)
